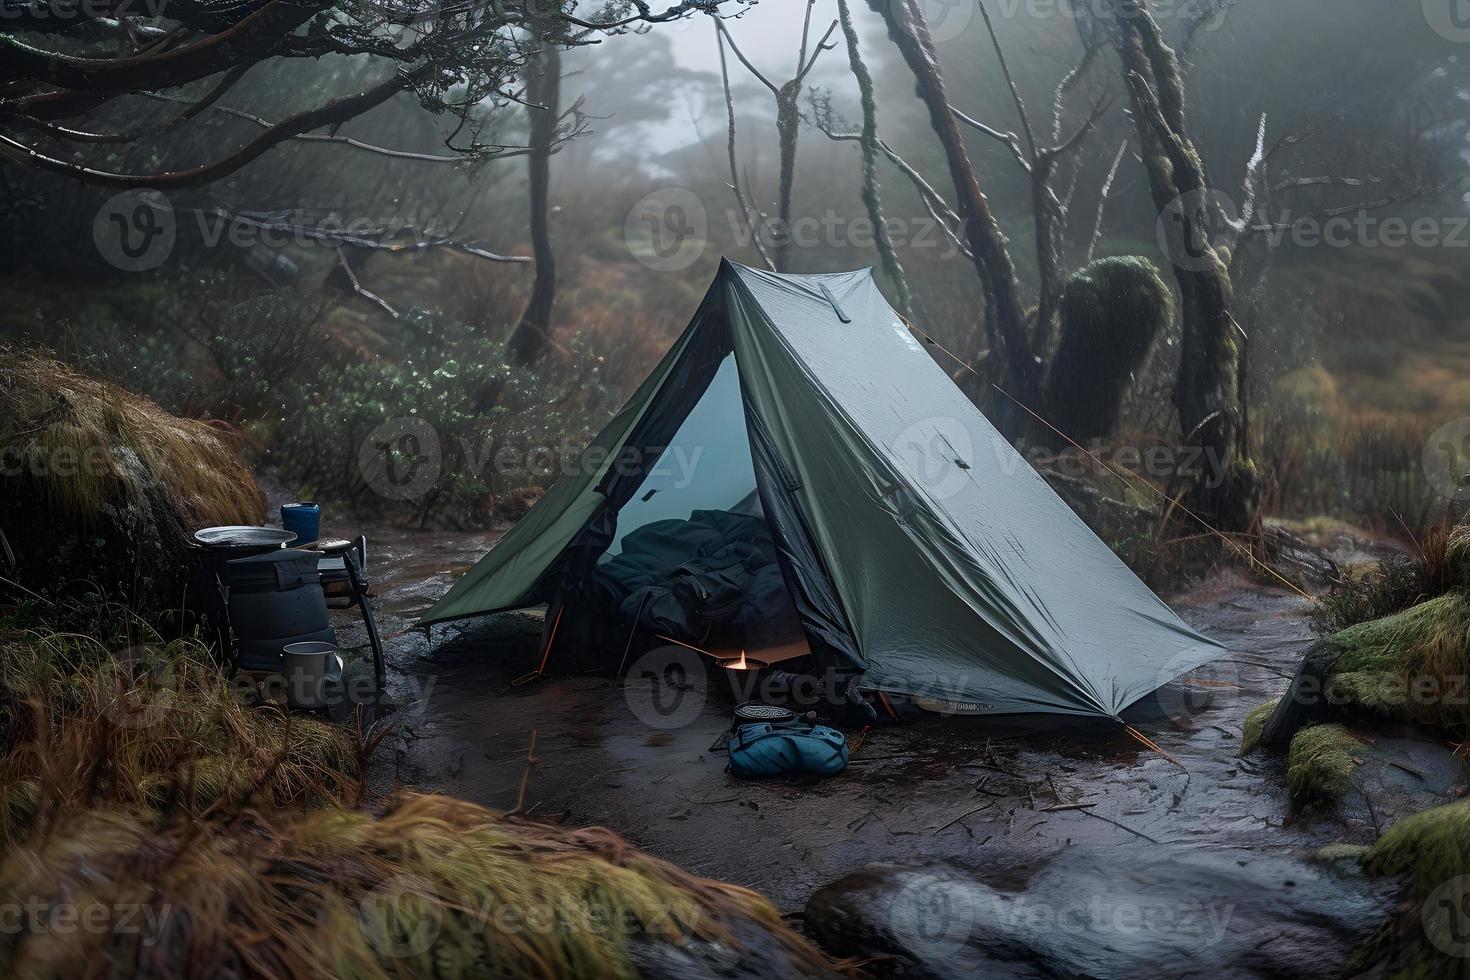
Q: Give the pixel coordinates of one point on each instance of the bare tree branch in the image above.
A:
(358, 287)
(495, 152)
(1102, 202)
(1010, 80)
(338, 110)
(747, 212)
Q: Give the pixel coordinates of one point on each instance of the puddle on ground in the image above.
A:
(968, 792)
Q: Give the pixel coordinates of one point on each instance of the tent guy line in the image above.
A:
(1172, 502)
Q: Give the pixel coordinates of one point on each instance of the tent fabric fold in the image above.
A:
(920, 548)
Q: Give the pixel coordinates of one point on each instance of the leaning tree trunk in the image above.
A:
(1208, 392)
(910, 32)
(543, 98)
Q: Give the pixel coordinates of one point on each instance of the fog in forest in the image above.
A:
(1072, 397)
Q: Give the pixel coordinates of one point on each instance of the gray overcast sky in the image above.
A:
(767, 34)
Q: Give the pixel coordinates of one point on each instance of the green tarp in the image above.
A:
(960, 575)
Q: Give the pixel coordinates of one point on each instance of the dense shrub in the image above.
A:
(331, 405)
(451, 403)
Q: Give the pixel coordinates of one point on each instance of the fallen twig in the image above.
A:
(967, 813)
(1120, 826)
(1408, 769)
(526, 775)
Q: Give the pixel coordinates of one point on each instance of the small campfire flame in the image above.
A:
(744, 662)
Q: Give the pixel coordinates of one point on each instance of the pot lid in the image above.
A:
(243, 536)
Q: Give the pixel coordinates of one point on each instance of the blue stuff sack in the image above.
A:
(762, 749)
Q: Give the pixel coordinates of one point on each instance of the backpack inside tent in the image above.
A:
(798, 479)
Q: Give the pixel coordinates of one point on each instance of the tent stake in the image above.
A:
(632, 634)
(545, 656)
(1151, 744)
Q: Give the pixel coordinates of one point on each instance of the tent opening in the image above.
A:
(693, 559)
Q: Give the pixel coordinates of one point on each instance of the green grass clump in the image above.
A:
(1254, 725)
(1390, 587)
(1457, 559)
(1319, 766)
(1430, 634)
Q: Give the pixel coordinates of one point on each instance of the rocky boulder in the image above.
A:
(1124, 912)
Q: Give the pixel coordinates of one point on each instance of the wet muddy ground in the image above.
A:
(995, 798)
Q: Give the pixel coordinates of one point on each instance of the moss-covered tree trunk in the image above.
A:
(1208, 392)
(788, 126)
(1007, 316)
(1111, 311)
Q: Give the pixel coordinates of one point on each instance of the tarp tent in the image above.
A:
(918, 549)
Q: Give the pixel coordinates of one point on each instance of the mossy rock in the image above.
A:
(1342, 859)
(1433, 847)
(1254, 725)
(1432, 851)
(1409, 667)
(1412, 665)
(1374, 691)
(1303, 704)
(1320, 767)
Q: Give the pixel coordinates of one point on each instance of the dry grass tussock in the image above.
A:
(432, 886)
(108, 439)
(157, 727)
(238, 841)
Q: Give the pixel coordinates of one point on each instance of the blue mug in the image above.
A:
(305, 519)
